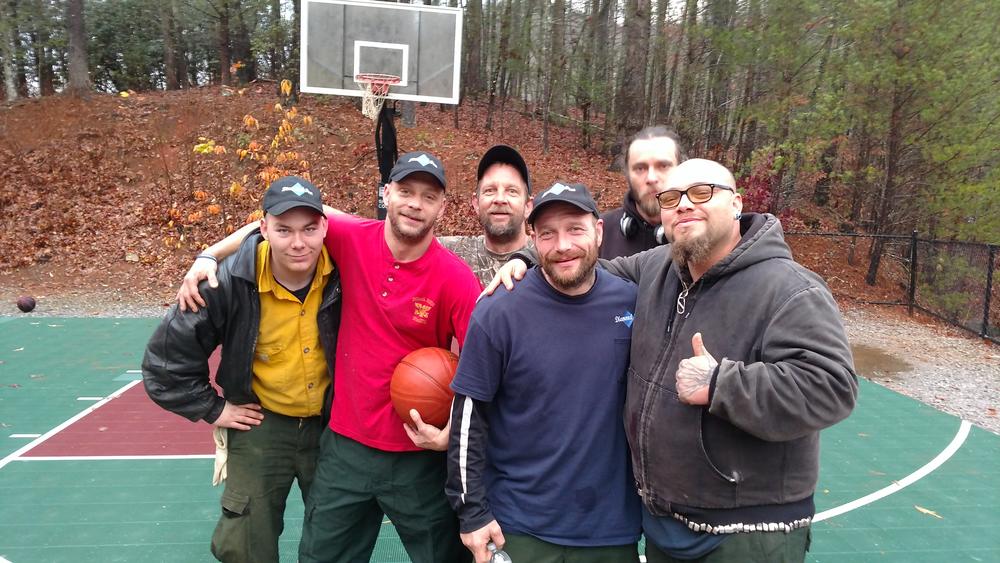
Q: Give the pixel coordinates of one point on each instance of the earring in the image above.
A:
(738, 216)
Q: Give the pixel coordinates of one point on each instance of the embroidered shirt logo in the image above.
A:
(422, 309)
(556, 190)
(298, 189)
(627, 318)
(423, 160)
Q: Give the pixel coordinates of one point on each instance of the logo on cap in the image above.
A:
(423, 161)
(557, 189)
(298, 189)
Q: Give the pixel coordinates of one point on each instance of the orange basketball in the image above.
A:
(420, 381)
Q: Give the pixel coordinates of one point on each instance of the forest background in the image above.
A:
(875, 116)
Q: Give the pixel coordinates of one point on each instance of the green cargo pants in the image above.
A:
(356, 486)
(262, 464)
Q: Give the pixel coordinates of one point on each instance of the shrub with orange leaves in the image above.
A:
(255, 215)
(286, 87)
(214, 209)
(269, 175)
(200, 195)
(250, 122)
(195, 217)
(235, 189)
(307, 120)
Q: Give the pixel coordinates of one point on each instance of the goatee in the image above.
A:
(691, 251)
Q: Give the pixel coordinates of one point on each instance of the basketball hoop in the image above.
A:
(374, 88)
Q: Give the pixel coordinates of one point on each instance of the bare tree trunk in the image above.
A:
(79, 75)
(8, 46)
(631, 87)
(888, 192)
(276, 51)
(169, 45)
(500, 65)
(223, 43)
(860, 165)
(720, 19)
(685, 112)
(241, 43)
(555, 66)
(748, 125)
(472, 83)
(658, 93)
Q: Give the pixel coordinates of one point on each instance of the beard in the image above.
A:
(691, 251)
(647, 205)
(699, 248)
(504, 232)
(569, 281)
(406, 232)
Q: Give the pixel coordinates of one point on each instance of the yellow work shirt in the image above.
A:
(289, 367)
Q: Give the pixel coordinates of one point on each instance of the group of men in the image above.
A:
(589, 409)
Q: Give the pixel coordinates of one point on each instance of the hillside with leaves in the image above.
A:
(135, 185)
(121, 191)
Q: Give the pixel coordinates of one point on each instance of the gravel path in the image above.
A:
(939, 365)
(942, 366)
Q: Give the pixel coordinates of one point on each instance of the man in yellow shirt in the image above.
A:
(275, 311)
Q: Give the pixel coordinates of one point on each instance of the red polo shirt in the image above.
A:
(390, 309)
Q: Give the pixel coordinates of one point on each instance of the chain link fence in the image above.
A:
(953, 281)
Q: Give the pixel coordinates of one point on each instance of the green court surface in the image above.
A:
(937, 482)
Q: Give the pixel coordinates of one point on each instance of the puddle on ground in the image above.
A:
(873, 362)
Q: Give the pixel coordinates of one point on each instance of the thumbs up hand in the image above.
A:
(695, 374)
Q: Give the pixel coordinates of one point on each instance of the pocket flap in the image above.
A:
(234, 503)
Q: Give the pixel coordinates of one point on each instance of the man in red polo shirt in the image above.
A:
(402, 291)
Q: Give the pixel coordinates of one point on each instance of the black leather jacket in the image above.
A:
(175, 368)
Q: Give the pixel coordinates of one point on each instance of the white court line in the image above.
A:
(133, 371)
(89, 398)
(2, 560)
(896, 486)
(111, 457)
(78, 416)
(25, 435)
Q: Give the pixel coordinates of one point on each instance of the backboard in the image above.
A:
(420, 44)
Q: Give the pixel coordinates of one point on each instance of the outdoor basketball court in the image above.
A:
(91, 470)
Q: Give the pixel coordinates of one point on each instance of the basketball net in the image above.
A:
(374, 89)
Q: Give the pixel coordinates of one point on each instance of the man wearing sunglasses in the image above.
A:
(739, 358)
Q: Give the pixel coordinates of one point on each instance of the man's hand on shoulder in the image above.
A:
(239, 417)
(204, 267)
(511, 272)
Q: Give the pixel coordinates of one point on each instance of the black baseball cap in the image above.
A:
(289, 192)
(418, 161)
(575, 194)
(505, 155)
